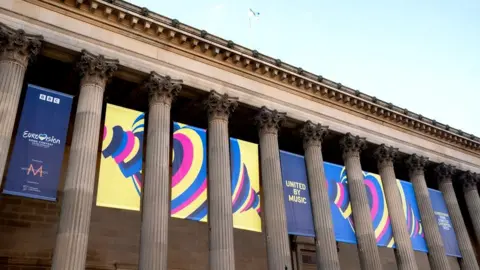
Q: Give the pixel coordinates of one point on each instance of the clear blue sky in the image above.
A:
(420, 55)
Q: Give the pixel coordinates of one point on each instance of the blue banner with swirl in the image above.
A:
(299, 215)
(36, 162)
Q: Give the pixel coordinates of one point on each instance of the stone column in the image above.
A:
(366, 240)
(404, 251)
(156, 187)
(72, 235)
(326, 246)
(436, 251)
(220, 219)
(278, 243)
(469, 182)
(444, 173)
(16, 49)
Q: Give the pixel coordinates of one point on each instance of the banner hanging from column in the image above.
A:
(120, 177)
(444, 223)
(299, 216)
(120, 181)
(189, 178)
(296, 195)
(36, 162)
(338, 193)
(189, 173)
(412, 215)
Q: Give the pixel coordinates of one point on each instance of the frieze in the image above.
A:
(178, 35)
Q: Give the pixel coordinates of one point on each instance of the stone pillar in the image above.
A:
(366, 240)
(444, 173)
(72, 235)
(156, 187)
(469, 182)
(220, 219)
(436, 251)
(326, 246)
(278, 243)
(16, 49)
(404, 254)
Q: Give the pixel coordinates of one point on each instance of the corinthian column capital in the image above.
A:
(220, 106)
(313, 134)
(161, 89)
(96, 69)
(469, 181)
(16, 45)
(444, 172)
(416, 163)
(352, 145)
(385, 154)
(269, 121)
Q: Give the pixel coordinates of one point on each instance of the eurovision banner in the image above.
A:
(120, 177)
(296, 195)
(36, 162)
(293, 168)
(412, 215)
(444, 223)
(189, 178)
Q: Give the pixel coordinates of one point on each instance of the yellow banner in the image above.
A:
(245, 185)
(120, 177)
(119, 184)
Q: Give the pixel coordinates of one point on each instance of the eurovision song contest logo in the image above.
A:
(40, 139)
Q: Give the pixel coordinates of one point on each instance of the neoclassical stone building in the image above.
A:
(112, 51)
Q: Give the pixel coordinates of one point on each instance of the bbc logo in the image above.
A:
(49, 99)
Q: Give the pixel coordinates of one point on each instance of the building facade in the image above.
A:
(113, 52)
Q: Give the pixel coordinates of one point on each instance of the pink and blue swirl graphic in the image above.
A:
(412, 215)
(189, 176)
(244, 197)
(342, 210)
(121, 146)
(189, 173)
(338, 194)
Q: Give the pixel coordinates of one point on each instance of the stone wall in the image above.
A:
(28, 228)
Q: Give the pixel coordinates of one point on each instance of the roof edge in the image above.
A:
(143, 20)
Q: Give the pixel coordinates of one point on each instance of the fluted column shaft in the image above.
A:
(278, 244)
(72, 235)
(473, 206)
(156, 186)
(468, 260)
(404, 250)
(220, 219)
(326, 247)
(470, 191)
(436, 251)
(444, 173)
(366, 240)
(16, 48)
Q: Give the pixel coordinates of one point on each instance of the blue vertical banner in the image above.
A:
(444, 223)
(36, 161)
(340, 203)
(296, 195)
(412, 215)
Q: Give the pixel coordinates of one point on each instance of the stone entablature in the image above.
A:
(199, 42)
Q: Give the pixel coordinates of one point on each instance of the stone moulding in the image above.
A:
(173, 33)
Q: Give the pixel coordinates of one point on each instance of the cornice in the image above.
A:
(141, 21)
